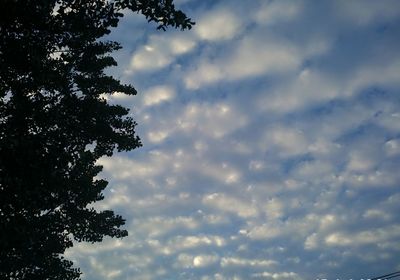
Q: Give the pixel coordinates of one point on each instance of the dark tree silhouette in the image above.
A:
(55, 123)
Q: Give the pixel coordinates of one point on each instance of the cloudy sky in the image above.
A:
(271, 135)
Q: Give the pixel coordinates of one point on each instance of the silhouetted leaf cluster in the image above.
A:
(55, 123)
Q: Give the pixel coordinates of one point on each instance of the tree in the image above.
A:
(55, 123)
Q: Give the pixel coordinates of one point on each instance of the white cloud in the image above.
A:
(272, 12)
(160, 51)
(221, 172)
(383, 72)
(184, 260)
(205, 73)
(195, 261)
(256, 165)
(251, 56)
(264, 232)
(369, 11)
(374, 178)
(179, 45)
(359, 162)
(286, 141)
(274, 208)
(157, 136)
(307, 88)
(233, 261)
(277, 275)
(157, 95)
(323, 148)
(158, 226)
(230, 204)
(126, 168)
(217, 25)
(256, 56)
(214, 120)
(328, 221)
(373, 236)
(150, 58)
(314, 169)
(205, 260)
(392, 147)
(182, 242)
(391, 121)
(377, 214)
(311, 242)
(123, 168)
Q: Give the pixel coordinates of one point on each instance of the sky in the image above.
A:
(271, 144)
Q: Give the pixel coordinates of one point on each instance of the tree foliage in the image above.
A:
(55, 123)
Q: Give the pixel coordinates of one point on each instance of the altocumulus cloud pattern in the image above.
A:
(271, 150)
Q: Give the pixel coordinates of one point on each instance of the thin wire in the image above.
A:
(397, 275)
(387, 276)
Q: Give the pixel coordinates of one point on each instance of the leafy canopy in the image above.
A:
(55, 123)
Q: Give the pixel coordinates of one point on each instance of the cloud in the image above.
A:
(218, 25)
(311, 242)
(314, 169)
(285, 141)
(272, 12)
(205, 73)
(392, 147)
(184, 242)
(196, 261)
(274, 208)
(205, 260)
(304, 90)
(230, 204)
(360, 162)
(157, 226)
(263, 232)
(232, 261)
(213, 120)
(255, 56)
(374, 73)
(363, 237)
(157, 95)
(248, 57)
(125, 168)
(377, 214)
(279, 275)
(367, 12)
(159, 52)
